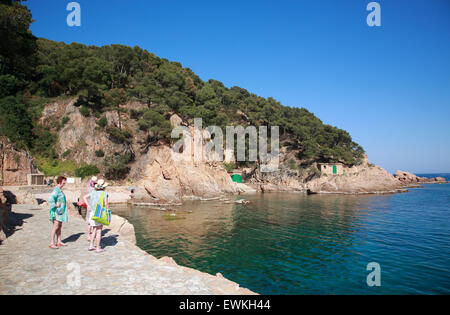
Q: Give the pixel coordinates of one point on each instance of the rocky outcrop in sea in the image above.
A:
(409, 179)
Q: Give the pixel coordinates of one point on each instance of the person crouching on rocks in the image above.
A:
(58, 212)
(91, 200)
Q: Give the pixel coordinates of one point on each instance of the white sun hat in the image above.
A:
(101, 184)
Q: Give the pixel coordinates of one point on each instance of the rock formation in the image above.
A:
(154, 169)
(169, 176)
(165, 179)
(358, 179)
(284, 179)
(165, 176)
(363, 178)
(409, 178)
(79, 135)
(175, 120)
(14, 165)
(122, 227)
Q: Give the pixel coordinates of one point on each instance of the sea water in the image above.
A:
(290, 243)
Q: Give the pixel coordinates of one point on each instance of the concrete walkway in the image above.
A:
(28, 266)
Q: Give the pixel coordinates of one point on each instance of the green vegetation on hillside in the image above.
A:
(86, 170)
(53, 167)
(105, 78)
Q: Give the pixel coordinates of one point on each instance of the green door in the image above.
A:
(334, 169)
(237, 178)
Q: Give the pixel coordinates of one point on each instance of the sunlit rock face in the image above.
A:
(363, 178)
(166, 178)
(409, 178)
(14, 165)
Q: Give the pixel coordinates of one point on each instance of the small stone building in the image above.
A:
(331, 168)
(35, 179)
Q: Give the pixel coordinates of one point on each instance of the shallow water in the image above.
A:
(286, 243)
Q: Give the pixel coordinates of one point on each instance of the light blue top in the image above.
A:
(95, 197)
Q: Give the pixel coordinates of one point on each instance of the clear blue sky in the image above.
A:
(389, 86)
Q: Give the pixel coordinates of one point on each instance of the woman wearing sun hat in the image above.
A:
(91, 187)
(91, 201)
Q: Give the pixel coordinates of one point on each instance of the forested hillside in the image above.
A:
(35, 71)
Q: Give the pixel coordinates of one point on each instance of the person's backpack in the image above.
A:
(102, 215)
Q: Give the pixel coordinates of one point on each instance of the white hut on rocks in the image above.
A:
(331, 168)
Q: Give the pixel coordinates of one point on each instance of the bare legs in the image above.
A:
(97, 235)
(55, 234)
(88, 233)
(58, 233)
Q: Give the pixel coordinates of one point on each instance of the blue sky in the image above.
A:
(388, 86)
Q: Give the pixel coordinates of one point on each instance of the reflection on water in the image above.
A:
(295, 244)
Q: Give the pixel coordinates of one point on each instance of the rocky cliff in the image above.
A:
(81, 136)
(154, 169)
(363, 178)
(14, 164)
(165, 177)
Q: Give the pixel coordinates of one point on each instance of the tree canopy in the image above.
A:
(104, 78)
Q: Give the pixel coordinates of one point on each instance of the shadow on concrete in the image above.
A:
(14, 221)
(106, 241)
(73, 238)
(40, 201)
(105, 231)
(10, 197)
(110, 240)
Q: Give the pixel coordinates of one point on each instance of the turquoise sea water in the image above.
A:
(286, 243)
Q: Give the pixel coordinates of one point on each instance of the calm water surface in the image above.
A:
(295, 244)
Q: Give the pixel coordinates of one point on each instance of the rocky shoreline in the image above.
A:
(163, 179)
(359, 181)
(31, 201)
(163, 176)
